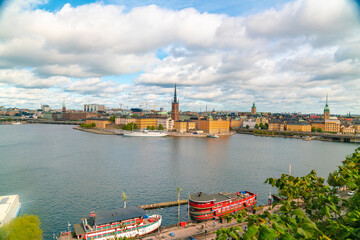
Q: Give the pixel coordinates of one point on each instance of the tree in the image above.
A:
(313, 129)
(261, 126)
(178, 195)
(148, 127)
(257, 126)
(22, 228)
(319, 130)
(247, 126)
(318, 215)
(160, 127)
(152, 128)
(266, 126)
(124, 197)
(112, 118)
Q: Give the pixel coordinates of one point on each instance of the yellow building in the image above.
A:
(298, 127)
(209, 125)
(317, 125)
(347, 129)
(276, 126)
(236, 123)
(143, 123)
(184, 126)
(357, 127)
(332, 125)
(99, 122)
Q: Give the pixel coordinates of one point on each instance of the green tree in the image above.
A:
(319, 130)
(312, 210)
(152, 128)
(112, 118)
(22, 228)
(261, 126)
(256, 126)
(266, 126)
(313, 129)
(148, 127)
(247, 126)
(160, 127)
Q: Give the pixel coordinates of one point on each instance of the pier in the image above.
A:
(164, 204)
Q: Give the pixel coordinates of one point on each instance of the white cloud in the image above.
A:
(281, 58)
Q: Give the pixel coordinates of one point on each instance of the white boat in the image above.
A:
(146, 133)
(16, 123)
(127, 222)
(213, 136)
(9, 208)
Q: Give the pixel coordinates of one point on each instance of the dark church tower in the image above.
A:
(175, 115)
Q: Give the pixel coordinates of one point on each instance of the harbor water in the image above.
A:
(62, 174)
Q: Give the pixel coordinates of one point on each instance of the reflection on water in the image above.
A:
(62, 174)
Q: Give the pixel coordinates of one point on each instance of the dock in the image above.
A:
(164, 204)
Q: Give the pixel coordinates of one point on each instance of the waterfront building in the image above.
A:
(175, 114)
(318, 124)
(185, 126)
(72, 116)
(348, 129)
(236, 123)
(357, 127)
(276, 125)
(166, 122)
(298, 127)
(99, 122)
(213, 126)
(253, 109)
(332, 125)
(249, 122)
(262, 120)
(144, 122)
(94, 108)
(124, 120)
(326, 110)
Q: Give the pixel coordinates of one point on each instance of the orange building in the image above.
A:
(234, 123)
(318, 124)
(175, 114)
(209, 125)
(184, 126)
(298, 127)
(253, 109)
(99, 122)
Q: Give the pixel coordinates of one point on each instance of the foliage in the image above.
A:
(247, 126)
(124, 196)
(319, 130)
(22, 228)
(313, 129)
(256, 126)
(91, 125)
(160, 127)
(112, 118)
(152, 128)
(130, 127)
(312, 210)
(266, 126)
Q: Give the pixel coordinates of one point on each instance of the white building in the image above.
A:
(167, 123)
(249, 122)
(93, 107)
(45, 108)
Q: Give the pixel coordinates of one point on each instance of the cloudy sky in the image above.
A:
(283, 55)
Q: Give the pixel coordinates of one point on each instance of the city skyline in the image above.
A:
(285, 56)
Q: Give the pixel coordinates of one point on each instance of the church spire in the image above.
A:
(175, 97)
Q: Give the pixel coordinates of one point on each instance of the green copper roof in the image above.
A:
(253, 105)
(327, 109)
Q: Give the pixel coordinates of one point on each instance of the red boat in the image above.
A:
(208, 206)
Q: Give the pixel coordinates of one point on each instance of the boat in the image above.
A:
(127, 222)
(9, 208)
(16, 123)
(213, 136)
(278, 198)
(145, 133)
(209, 206)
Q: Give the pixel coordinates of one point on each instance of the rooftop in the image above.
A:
(117, 215)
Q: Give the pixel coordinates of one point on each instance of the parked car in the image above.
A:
(351, 193)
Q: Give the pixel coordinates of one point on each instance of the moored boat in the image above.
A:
(145, 133)
(9, 208)
(124, 222)
(213, 136)
(208, 206)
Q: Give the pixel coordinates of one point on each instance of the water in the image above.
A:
(62, 174)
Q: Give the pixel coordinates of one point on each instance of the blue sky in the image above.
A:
(283, 55)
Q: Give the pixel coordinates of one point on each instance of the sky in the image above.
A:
(285, 56)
